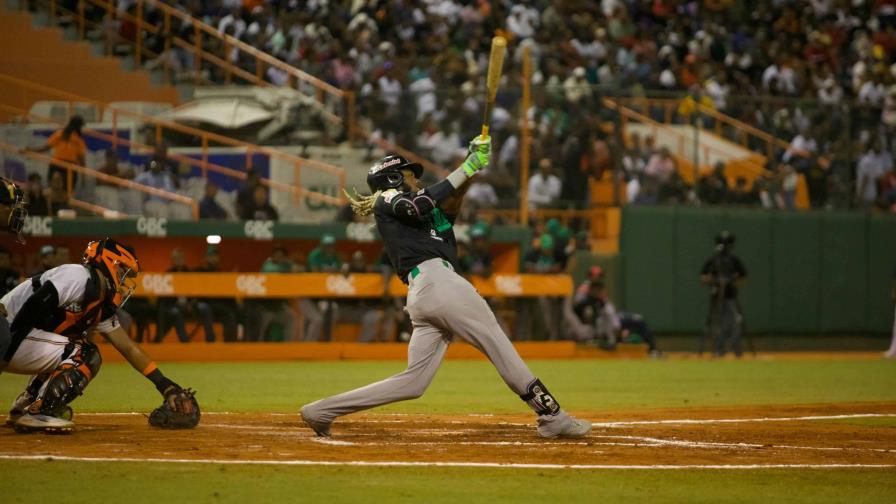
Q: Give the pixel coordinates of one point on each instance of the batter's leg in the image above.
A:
(425, 353)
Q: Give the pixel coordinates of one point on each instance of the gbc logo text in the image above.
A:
(509, 284)
(339, 284)
(38, 226)
(152, 226)
(158, 284)
(252, 285)
(259, 230)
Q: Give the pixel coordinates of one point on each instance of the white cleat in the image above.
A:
(19, 406)
(43, 423)
(562, 425)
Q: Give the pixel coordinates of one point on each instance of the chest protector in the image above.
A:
(76, 319)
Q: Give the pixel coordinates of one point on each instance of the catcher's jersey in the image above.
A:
(80, 307)
(410, 240)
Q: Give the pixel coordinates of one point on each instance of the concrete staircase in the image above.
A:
(43, 56)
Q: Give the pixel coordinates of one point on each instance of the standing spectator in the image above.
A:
(176, 308)
(817, 183)
(713, 188)
(245, 195)
(68, 146)
(787, 182)
(367, 312)
(260, 208)
(212, 309)
(47, 259)
(544, 187)
(56, 195)
(542, 259)
(869, 170)
(9, 278)
(322, 259)
(61, 255)
(724, 272)
(260, 314)
(38, 205)
(208, 207)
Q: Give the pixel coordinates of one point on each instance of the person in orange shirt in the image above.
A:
(67, 145)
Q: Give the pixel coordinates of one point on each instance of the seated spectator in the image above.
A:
(544, 187)
(260, 208)
(220, 309)
(322, 259)
(9, 277)
(156, 177)
(56, 195)
(111, 167)
(38, 205)
(262, 314)
(245, 194)
(208, 207)
(61, 255)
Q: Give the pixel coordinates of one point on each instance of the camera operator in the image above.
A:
(724, 272)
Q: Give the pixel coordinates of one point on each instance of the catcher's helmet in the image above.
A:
(386, 173)
(118, 262)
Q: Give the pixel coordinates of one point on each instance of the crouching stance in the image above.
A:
(417, 228)
(51, 316)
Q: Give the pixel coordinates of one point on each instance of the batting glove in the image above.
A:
(480, 152)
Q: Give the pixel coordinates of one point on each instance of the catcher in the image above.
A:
(50, 317)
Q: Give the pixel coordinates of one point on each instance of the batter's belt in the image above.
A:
(415, 271)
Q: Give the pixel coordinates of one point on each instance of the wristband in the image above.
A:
(158, 379)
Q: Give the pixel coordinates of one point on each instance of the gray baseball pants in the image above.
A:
(441, 304)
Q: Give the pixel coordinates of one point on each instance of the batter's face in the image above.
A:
(410, 180)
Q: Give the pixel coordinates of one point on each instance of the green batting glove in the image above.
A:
(480, 152)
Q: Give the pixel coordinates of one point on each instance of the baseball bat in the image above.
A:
(495, 62)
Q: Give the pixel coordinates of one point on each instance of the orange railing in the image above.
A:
(110, 179)
(86, 206)
(206, 139)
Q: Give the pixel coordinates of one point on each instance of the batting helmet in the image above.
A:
(386, 173)
(725, 239)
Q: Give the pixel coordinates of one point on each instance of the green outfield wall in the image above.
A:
(809, 272)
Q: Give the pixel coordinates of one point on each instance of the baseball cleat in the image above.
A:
(320, 428)
(43, 423)
(562, 425)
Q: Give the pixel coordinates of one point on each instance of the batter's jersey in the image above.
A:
(72, 283)
(410, 239)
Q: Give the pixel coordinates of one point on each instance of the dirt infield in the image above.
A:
(824, 435)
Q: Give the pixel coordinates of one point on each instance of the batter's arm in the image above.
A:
(136, 357)
(452, 205)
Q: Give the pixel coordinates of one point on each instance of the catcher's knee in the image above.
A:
(68, 381)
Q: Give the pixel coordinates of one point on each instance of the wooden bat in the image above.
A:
(495, 62)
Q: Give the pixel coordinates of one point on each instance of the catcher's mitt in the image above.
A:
(179, 410)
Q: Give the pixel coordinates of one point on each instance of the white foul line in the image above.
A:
(743, 420)
(359, 463)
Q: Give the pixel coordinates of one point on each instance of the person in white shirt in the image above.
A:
(870, 168)
(544, 187)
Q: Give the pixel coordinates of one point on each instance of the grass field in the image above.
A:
(603, 389)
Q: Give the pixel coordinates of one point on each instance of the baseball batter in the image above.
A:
(50, 316)
(416, 226)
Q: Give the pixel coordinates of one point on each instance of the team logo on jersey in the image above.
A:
(389, 195)
(432, 234)
(74, 308)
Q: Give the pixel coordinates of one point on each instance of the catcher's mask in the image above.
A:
(386, 173)
(117, 262)
(11, 195)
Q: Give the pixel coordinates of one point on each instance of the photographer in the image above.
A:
(724, 273)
